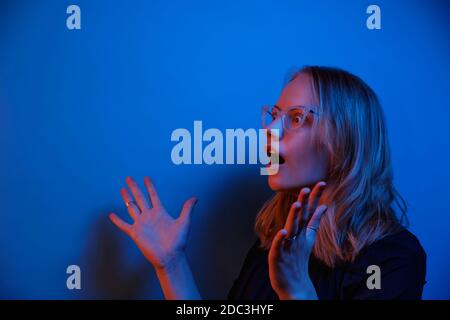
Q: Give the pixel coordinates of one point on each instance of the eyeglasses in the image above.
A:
(292, 119)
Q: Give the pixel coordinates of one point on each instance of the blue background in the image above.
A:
(81, 110)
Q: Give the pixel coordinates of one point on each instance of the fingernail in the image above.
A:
(284, 232)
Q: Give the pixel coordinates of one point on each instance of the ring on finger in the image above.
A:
(291, 238)
(128, 203)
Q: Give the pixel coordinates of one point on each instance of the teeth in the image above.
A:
(270, 153)
(280, 158)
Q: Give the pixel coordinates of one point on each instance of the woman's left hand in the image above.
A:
(292, 246)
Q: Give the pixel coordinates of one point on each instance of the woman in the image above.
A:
(332, 230)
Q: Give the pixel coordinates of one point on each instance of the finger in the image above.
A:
(303, 199)
(292, 220)
(277, 244)
(315, 195)
(185, 215)
(137, 194)
(154, 198)
(122, 225)
(133, 209)
(314, 223)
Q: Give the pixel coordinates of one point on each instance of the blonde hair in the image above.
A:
(360, 193)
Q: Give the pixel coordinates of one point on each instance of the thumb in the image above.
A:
(185, 215)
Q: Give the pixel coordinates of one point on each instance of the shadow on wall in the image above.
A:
(216, 253)
(110, 273)
(229, 234)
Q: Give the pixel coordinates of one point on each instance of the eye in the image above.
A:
(296, 116)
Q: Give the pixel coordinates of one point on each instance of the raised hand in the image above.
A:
(161, 238)
(291, 247)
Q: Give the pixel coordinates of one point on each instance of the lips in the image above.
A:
(271, 153)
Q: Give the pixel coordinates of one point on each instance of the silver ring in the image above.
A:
(127, 204)
(291, 238)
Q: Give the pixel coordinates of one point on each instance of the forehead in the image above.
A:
(298, 92)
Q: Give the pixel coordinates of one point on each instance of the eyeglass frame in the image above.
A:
(265, 109)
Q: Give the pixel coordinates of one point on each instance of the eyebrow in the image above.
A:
(298, 106)
(275, 106)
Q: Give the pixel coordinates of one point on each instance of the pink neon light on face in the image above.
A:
(301, 164)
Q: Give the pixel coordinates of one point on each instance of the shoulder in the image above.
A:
(400, 261)
(400, 246)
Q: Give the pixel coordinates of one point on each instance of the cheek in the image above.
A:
(306, 163)
(300, 149)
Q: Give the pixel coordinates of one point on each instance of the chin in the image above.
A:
(276, 183)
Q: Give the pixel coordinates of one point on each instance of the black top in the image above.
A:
(401, 259)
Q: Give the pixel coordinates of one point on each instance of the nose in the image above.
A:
(276, 129)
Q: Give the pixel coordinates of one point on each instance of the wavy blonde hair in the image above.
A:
(360, 193)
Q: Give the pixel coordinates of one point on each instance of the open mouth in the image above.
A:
(280, 158)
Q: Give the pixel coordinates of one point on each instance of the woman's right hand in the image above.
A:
(160, 238)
